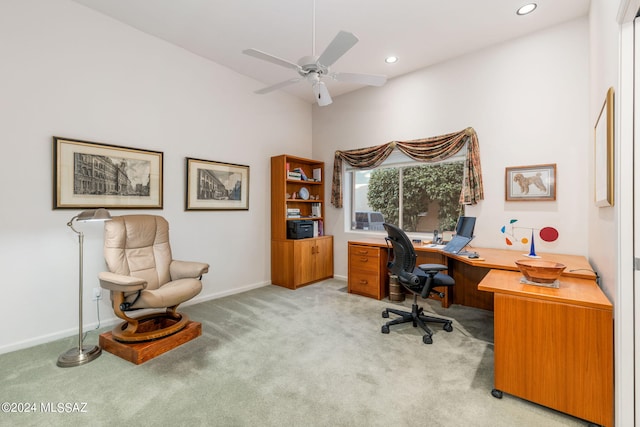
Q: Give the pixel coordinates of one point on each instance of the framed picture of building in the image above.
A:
(95, 175)
(216, 186)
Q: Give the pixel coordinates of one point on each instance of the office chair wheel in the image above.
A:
(385, 328)
(427, 339)
(496, 393)
(447, 327)
(385, 314)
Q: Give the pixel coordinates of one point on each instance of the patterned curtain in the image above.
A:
(432, 149)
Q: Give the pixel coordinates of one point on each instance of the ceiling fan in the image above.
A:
(314, 68)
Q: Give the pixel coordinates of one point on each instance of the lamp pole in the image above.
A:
(80, 355)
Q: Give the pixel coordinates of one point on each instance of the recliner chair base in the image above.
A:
(150, 327)
(417, 318)
(142, 352)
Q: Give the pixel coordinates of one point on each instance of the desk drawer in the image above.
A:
(364, 258)
(367, 251)
(364, 283)
(365, 263)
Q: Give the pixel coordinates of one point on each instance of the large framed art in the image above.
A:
(603, 153)
(216, 186)
(96, 175)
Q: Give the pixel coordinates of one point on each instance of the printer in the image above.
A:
(301, 229)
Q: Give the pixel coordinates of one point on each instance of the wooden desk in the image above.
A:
(466, 272)
(554, 346)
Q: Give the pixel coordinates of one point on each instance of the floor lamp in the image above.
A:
(80, 355)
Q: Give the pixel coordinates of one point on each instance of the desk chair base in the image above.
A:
(417, 318)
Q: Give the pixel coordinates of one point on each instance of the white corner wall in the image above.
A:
(528, 100)
(71, 72)
(603, 235)
(611, 229)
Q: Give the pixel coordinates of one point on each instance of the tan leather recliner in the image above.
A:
(142, 274)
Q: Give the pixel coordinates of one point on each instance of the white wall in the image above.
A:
(611, 229)
(528, 102)
(604, 68)
(70, 72)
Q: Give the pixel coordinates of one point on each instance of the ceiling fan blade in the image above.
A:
(278, 86)
(270, 58)
(338, 47)
(365, 79)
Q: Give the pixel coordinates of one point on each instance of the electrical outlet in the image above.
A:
(97, 294)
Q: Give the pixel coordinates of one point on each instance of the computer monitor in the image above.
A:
(465, 226)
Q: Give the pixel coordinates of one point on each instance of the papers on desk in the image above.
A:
(432, 245)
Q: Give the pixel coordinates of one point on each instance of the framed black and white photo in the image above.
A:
(95, 175)
(530, 183)
(216, 186)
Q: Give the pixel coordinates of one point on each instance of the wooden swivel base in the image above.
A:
(140, 352)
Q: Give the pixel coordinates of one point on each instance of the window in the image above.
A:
(417, 196)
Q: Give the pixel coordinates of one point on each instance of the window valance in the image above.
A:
(432, 149)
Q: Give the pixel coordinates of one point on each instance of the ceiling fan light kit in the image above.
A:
(315, 68)
(322, 94)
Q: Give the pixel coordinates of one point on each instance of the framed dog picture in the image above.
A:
(530, 183)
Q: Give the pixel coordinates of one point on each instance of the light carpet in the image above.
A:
(273, 357)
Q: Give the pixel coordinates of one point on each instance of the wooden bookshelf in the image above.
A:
(298, 262)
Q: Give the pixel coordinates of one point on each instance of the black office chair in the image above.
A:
(419, 281)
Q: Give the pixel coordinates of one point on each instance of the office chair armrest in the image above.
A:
(187, 269)
(121, 283)
(432, 268)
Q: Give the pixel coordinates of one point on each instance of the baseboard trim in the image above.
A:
(113, 320)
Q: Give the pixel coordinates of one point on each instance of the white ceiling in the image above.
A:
(419, 32)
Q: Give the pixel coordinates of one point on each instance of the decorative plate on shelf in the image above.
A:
(304, 193)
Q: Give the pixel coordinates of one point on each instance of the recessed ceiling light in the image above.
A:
(526, 9)
(391, 59)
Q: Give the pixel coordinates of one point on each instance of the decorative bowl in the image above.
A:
(539, 270)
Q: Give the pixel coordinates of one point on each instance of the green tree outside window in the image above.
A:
(426, 186)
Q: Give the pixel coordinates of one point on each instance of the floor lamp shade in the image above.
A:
(82, 354)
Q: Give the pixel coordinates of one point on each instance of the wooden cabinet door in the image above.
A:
(312, 259)
(323, 263)
(303, 260)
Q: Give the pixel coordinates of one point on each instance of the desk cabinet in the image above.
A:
(554, 347)
(368, 271)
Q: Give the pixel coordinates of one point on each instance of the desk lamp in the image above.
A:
(80, 355)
